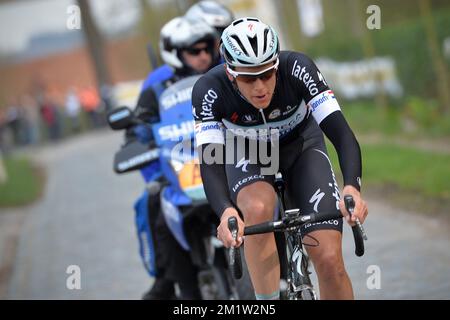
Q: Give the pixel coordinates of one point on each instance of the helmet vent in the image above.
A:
(228, 56)
(241, 46)
(266, 31)
(237, 21)
(243, 61)
(254, 43)
(268, 58)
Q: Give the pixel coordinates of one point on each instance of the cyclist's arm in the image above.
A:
(209, 133)
(341, 136)
(326, 111)
(338, 131)
(215, 181)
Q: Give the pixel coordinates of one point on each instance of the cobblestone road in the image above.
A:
(85, 218)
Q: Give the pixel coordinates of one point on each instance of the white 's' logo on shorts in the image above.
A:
(243, 163)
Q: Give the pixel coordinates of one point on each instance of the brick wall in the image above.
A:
(126, 60)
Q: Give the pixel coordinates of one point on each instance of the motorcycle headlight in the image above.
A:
(176, 165)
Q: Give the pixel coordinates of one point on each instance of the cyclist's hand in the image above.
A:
(360, 210)
(224, 234)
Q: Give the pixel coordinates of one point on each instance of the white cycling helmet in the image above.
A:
(213, 13)
(248, 42)
(181, 33)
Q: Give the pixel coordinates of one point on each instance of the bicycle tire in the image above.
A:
(308, 294)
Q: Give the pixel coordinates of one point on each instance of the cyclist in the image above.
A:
(188, 47)
(278, 99)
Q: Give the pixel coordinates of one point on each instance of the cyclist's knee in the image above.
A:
(256, 211)
(257, 202)
(330, 265)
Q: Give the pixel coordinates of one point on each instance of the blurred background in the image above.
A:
(65, 63)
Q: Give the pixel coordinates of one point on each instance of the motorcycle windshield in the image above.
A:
(175, 109)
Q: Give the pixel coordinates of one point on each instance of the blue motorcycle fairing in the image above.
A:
(146, 245)
(176, 124)
(152, 172)
(155, 79)
(175, 130)
(143, 133)
(170, 200)
(158, 76)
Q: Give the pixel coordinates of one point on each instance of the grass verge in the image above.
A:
(416, 179)
(24, 183)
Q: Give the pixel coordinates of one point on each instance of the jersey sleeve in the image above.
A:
(206, 111)
(308, 79)
(209, 130)
(344, 141)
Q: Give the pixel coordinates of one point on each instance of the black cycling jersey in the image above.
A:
(300, 91)
(310, 182)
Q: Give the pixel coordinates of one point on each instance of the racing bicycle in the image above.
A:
(296, 269)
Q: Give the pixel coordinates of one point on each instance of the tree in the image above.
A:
(440, 68)
(95, 43)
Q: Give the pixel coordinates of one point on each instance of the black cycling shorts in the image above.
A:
(310, 181)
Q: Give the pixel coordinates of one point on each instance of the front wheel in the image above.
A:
(213, 284)
(218, 284)
(308, 294)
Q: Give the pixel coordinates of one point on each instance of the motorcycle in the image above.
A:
(183, 202)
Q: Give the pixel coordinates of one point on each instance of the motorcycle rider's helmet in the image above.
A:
(182, 33)
(248, 42)
(213, 13)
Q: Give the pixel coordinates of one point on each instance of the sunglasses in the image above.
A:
(197, 51)
(250, 77)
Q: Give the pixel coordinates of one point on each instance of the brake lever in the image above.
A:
(350, 205)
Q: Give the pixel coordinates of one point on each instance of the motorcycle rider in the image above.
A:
(213, 13)
(188, 47)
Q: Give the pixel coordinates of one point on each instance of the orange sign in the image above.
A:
(190, 176)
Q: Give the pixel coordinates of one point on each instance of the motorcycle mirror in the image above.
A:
(120, 118)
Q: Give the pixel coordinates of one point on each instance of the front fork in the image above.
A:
(299, 285)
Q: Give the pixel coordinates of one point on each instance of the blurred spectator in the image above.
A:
(13, 120)
(3, 173)
(90, 102)
(4, 143)
(50, 117)
(73, 107)
(31, 120)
